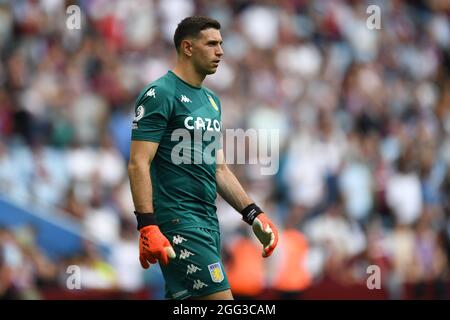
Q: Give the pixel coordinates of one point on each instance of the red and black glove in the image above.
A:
(153, 245)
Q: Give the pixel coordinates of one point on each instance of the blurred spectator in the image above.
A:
(291, 275)
(95, 272)
(24, 269)
(430, 265)
(403, 193)
(245, 266)
(338, 238)
(123, 260)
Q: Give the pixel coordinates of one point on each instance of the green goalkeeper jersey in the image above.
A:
(186, 122)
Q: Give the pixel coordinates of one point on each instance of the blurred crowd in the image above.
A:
(363, 116)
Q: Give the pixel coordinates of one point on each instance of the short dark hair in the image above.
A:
(191, 27)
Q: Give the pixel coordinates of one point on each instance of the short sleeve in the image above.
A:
(152, 113)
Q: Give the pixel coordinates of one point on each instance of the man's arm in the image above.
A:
(234, 194)
(141, 157)
(153, 245)
(228, 185)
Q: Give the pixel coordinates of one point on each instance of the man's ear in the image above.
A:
(186, 47)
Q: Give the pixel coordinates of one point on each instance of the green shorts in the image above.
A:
(197, 269)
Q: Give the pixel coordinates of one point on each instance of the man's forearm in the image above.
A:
(141, 187)
(231, 190)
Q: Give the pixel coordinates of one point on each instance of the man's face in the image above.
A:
(207, 51)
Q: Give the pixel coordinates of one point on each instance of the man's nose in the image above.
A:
(219, 52)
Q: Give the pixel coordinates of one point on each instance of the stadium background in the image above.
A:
(364, 120)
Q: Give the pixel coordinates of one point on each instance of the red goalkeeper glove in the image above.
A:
(266, 232)
(263, 228)
(153, 245)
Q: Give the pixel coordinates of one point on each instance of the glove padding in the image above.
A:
(266, 232)
(154, 246)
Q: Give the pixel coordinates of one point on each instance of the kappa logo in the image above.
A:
(215, 271)
(198, 284)
(151, 93)
(178, 239)
(185, 254)
(192, 269)
(185, 99)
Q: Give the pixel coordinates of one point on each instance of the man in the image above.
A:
(174, 198)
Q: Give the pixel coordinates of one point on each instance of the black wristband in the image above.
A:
(145, 219)
(250, 212)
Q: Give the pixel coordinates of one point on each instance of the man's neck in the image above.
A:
(187, 73)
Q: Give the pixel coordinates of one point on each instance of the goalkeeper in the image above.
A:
(175, 200)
